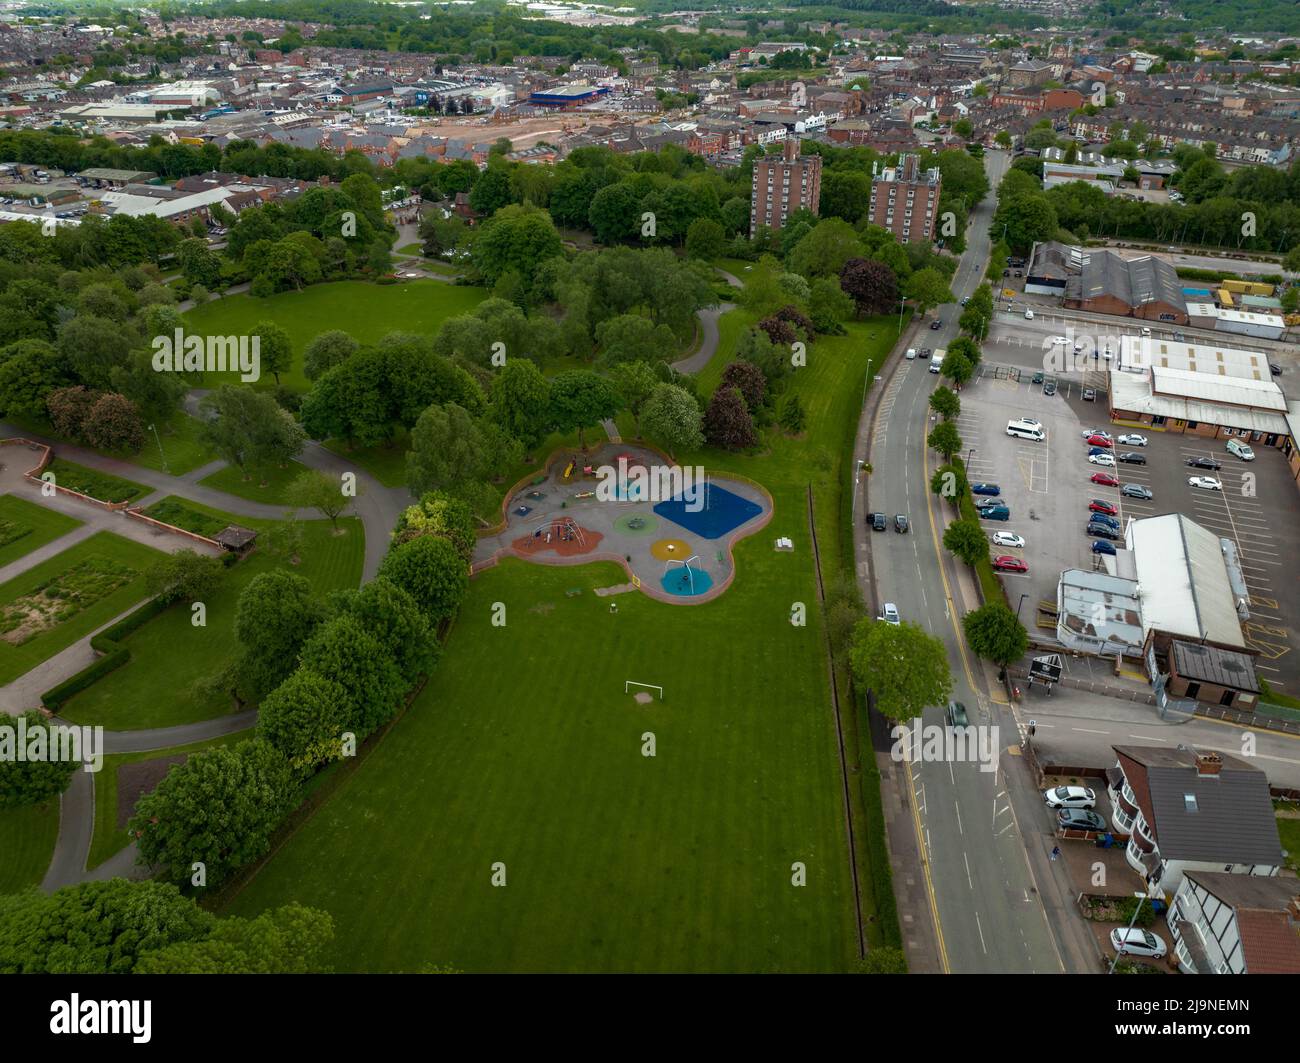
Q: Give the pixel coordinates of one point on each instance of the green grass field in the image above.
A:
(108, 839)
(267, 484)
(169, 656)
(38, 525)
(27, 837)
(1289, 831)
(101, 485)
(367, 311)
(15, 660)
(179, 436)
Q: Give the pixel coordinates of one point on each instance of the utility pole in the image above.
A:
(160, 449)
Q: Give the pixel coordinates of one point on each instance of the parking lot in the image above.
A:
(1048, 486)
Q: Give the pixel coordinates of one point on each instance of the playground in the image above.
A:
(675, 548)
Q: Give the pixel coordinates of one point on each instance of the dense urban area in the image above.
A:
(559, 487)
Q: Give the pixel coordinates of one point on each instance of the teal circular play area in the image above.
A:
(686, 581)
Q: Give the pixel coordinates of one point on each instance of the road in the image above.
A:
(990, 911)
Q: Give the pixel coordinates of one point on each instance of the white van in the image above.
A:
(1026, 430)
(936, 361)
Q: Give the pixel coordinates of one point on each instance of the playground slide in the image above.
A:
(568, 469)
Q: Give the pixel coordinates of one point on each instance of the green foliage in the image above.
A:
(944, 438)
(905, 668)
(275, 616)
(994, 633)
(288, 940)
(46, 766)
(185, 576)
(430, 570)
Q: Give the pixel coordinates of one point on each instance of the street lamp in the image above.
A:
(160, 449)
(900, 314)
(968, 454)
(1019, 604)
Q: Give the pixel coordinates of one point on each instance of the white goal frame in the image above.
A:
(649, 686)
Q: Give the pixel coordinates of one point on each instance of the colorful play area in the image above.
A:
(675, 548)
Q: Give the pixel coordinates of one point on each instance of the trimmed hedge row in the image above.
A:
(114, 654)
(990, 586)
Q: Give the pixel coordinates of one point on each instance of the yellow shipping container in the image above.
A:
(1225, 297)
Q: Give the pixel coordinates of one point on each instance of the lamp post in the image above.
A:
(160, 449)
(900, 314)
(1019, 604)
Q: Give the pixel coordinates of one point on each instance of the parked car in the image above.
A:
(1205, 483)
(1097, 450)
(1087, 432)
(965, 300)
(1100, 505)
(1104, 518)
(900, 523)
(998, 511)
(1203, 463)
(1102, 459)
(1007, 563)
(1029, 314)
(1069, 797)
(1038, 378)
(1079, 819)
(1089, 395)
(1274, 368)
(936, 325)
(1134, 941)
(1133, 440)
(1049, 388)
(1239, 449)
(1031, 420)
(1009, 539)
(889, 614)
(957, 715)
(1102, 546)
(1099, 530)
(1100, 441)
(877, 521)
(1137, 491)
(1105, 479)
(985, 489)
(1132, 457)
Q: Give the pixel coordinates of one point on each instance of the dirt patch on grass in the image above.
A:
(61, 598)
(138, 778)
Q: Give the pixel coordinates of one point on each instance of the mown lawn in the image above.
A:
(386, 462)
(182, 450)
(28, 525)
(170, 656)
(101, 485)
(27, 836)
(366, 311)
(264, 484)
(108, 839)
(18, 659)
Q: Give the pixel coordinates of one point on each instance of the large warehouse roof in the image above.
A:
(1202, 356)
(1134, 281)
(1226, 390)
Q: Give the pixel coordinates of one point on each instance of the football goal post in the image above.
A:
(628, 683)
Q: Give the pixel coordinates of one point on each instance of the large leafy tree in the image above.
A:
(944, 438)
(31, 781)
(289, 940)
(825, 250)
(957, 368)
(635, 382)
(927, 288)
(995, 634)
(320, 491)
(346, 653)
(448, 451)
(432, 572)
(249, 428)
(966, 539)
(394, 617)
(276, 613)
(946, 403)
(304, 718)
(902, 665)
(672, 417)
(871, 285)
(219, 809)
(521, 401)
(727, 421)
(581, 399)
(518, 238)
(441, 514)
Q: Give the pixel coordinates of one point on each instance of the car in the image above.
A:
(1006, 273)
(1100, 505)
(911, 354)
(1102, 459)
(1079, 819)
(1058, 341)
(1101, 546)
(965, 300)
(957, 715)
(1009, 539)
(1099, 530)
(1029, 314)
(1274, 368)
(1105, 479)
(1019, 274)
(1133, 440)
(1132, 457)
(1137, 491)
(1146, 330)
(1031, 420)
(889, 614)
(1239, 449)
(1078, 347)
(1038, 379)
(1097, 450)
(985, 489)
(1104, 518)
(1205, 483)
(997, 511)
(1049, 388)
(1089, 395)
(936, 325)
(1069, 797)
(1100, 441)
(900, 523)
(1007, 563)
(1134, 941)
(877, 521)
(1095, 432)
(1203, 463)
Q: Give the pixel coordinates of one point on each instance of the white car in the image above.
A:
(1032, 421)
(1009, 539)
(1103, 459)
(911, 354)
(1096, 432)
(1029, 315)
(1134, 941)
(1205, 483)
(1133, 441)
(1239, 449)
(1059, 341)
(1069, 797)
(890, 614)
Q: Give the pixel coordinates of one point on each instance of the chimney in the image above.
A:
(1209, 763)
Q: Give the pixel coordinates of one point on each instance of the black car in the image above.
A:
(985, 489)
(1131, 457)
(1274, 368)
(1080, 819)
(936, 325)
(1103, 518)
(1101, 531)
(1049, 388)
(900, 523)
(1136, 491)
(1203, 463)
(877, 521)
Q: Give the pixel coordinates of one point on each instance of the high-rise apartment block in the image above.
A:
(782, 184)
(905, 199)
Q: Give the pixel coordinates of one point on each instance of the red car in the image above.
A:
(1105, 479)
(1099, 441)
(1007, 563)
(1099, 506)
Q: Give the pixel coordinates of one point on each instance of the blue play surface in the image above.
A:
(686, 583)
(723, 512)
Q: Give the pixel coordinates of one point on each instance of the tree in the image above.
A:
(967, 540)
(581, 399)
(1028, 218)
(633, 338)
(431, 571)
(748, 379)
(113, 423)
(345, 652)
(956, 368)
(792, 417)
(394, 618)
(46, 767)
(927, 288)
(274, 616)
(905, 668)
(95, 927)
(320, 491)
(883, 960)
(304, 719)
(516, 237)
(945, 403)
(705, 239)
(948, 482)
(825, 250)
(30, 370)
(219, 808)
(274, 348)
(69, 408)
(635, 382)
(248, 427)
(872, 285)
(727, 421)
(966, 348)
(448, 451)
(521, 401)
(829, 306)
(673, 418)
(438, 513)
(944, 439)
(995, 634)
(289, 940)
(327, 350)
(184, 576)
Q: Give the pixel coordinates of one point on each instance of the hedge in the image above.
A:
(991, 588)
(882, 877)
(114, 656)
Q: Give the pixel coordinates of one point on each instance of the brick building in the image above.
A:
(905, 199)
(782, 184)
